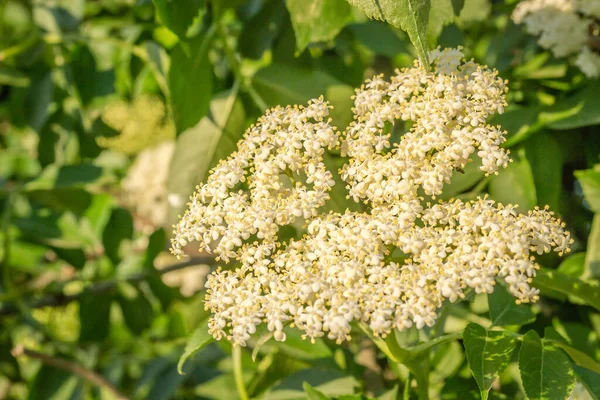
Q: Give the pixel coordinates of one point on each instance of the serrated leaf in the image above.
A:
(199, 340)
(505, 311)
(408, 15)
(312, 393)
(555, 281)
(488, 352)
(317, 20)
(546, 370)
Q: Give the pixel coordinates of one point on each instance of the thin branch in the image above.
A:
(67, 365)
(61, 299)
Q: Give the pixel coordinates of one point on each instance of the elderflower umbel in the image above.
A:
(346, 268)
(563, 27)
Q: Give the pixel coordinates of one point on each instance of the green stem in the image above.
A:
(237, 372)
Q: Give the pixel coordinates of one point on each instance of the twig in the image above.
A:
(61, 299)
(67, 365)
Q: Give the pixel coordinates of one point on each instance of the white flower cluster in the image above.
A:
(393, 266)
(448, 108)
(145, 186)
(284, 146)
(563, 27)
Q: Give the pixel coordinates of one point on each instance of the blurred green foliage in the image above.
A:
(84, 274)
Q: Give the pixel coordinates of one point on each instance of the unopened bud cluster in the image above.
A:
(565, 27)
(346, 268)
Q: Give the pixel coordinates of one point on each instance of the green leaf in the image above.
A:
(118, 234)
(546, 371)
(199, 148)
(505, 311)
(579, 357)
(51, 383)
(515, 185)
(380, 38)
(519, 122)
(329, 382)
(94, 315)
(545, 158)
(457, 6)
(441, 14)
(577, 111)
(57, 176)
(489, 353)
(590, 380)
(199, 339)
(590, 183)
(260, 32)
(317, 20)
(137, 310)
(312, 393)
(592, 257)
(408, 15)
(180, 16)
(190, 82)
(555, 281)
(283, 85)
(573, 265)
(13, 77)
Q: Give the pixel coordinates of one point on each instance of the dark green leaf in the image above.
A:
(65, 176)
(545, 158)
(137, 310)
(579, 357)
(489, 353)
(190, 83)
(180, 15)
(199, 148)
(546, 371)
(318, 20)
(408, 15)
(505, 311)
(94, 314)
(380, 38)
(457, 6)
(54, 384)
(90, 80)
(37, 103)
(117, 235)
(199, 339)
(259, 33)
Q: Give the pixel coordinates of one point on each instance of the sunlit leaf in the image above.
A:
(488, 352)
